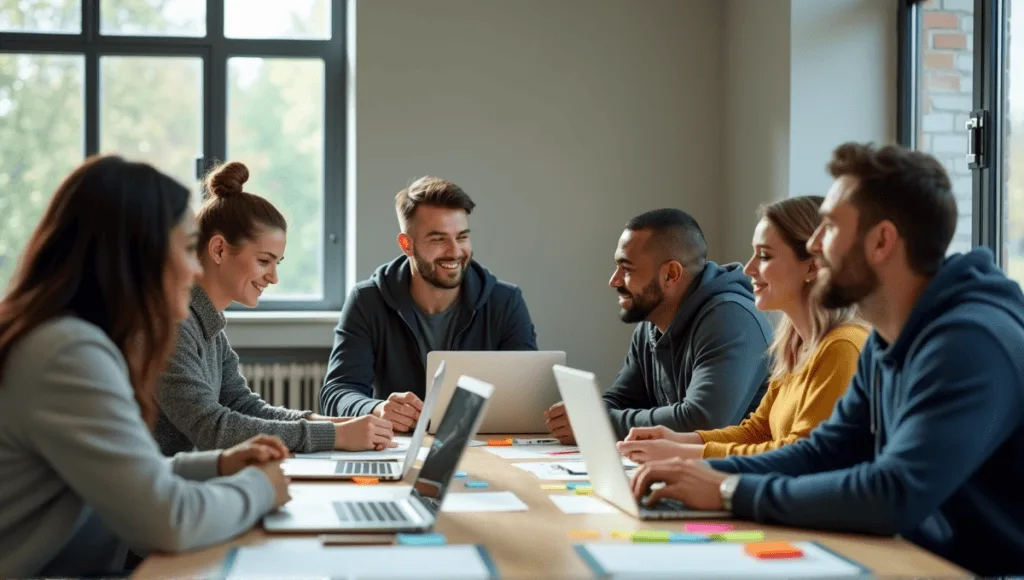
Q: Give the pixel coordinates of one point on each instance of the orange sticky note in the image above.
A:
(773, 550)
(500, 442)
(365, 480)
(585, 534)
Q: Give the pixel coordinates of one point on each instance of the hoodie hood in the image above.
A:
(964, 280)
(393, 279)
(712, 282)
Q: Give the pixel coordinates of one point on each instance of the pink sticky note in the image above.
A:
(707, 528)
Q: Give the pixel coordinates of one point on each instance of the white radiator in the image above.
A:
(291, 385)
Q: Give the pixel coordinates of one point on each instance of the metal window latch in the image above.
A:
(975, 126)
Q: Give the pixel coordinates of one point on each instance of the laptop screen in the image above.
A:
(453, 436)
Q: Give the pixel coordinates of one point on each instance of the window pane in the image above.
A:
(153, 17)
(1013, 253)
(300, 19)
(41, 141)
(151, 110)
(53, 16)
(276, 127)
(945, 93)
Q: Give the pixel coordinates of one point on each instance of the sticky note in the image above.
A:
(585, 534)
(684, 538)
(622, 534)
(365, 480)
(554, 487)
(476, 484)
(575, 484)
(500, 442)
(584, 490)
(773, 550)
(742, 536)
(429, 539)
(651, 536)
(461, 474)
(700, 528)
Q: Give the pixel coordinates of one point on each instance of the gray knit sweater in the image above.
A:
(205, 402)
(75, 452)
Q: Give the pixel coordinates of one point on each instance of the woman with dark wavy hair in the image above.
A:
(86, 326)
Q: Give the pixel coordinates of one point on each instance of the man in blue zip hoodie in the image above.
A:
(928, 441)
(698, 357)
(434, 297)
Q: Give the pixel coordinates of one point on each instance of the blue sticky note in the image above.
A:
(429, 539)
(476, 484)
(684, 538)
(574, 484)
(461, 474)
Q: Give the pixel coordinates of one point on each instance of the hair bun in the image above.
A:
(227, 180)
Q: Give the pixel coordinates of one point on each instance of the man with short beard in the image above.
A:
(928, 440)
(433, 297)
(697, 359)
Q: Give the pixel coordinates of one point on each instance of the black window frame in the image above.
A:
(215, 49)
(988, 101)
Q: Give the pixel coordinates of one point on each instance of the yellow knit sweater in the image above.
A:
(796, 403)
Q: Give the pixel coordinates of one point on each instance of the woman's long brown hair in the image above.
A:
(99, 253)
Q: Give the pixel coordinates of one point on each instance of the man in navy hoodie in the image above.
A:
(697, 359)
(433, 297)
(928, 441)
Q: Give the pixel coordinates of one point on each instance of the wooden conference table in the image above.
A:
(537, 543)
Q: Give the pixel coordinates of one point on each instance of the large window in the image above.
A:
(960, 102)
(182, 84)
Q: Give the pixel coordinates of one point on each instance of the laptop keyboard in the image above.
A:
(664, 508)
(363, 468)
(370, 512)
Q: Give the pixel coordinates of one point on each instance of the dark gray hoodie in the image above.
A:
(375, 348)
(709, 370)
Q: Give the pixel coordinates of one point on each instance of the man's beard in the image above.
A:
(643, 304)
(850, 283)
(437, 276)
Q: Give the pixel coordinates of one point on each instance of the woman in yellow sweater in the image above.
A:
(814, 352)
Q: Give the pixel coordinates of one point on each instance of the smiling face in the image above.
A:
(243, 272)
(838, 247)
(438, 244)
(636, 278)
(778, 275)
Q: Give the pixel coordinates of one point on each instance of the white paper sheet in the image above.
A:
(487, 501)
(534, 452)
(548, 472)
(582, 504)
(714, 560)
(307, 558)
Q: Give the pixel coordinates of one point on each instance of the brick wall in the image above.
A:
(945, 83)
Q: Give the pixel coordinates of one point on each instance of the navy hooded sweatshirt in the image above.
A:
(375, 349)
(708, 370)
(928, 441)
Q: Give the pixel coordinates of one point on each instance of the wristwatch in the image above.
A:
(727, 488)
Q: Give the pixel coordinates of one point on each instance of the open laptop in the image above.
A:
(524, 386)
(416, 512)
(583, 403)
(383, 469)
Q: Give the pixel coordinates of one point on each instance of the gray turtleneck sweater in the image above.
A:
(205, 402)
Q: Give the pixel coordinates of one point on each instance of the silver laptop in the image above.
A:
(583, 403)
(416, 512)
(524, 386)
(304, 467)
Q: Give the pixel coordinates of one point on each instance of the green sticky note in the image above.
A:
(738, 536)
(652, 536)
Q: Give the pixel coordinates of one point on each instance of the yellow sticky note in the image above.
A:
(554, 487)
(622, 534)
(584, 491)
(585, 534)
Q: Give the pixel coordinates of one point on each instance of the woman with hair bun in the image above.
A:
(204, 400)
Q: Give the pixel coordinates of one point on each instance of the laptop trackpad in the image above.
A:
(309, 467)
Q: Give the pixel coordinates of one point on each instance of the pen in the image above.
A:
(575, 452)
(535, 441)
